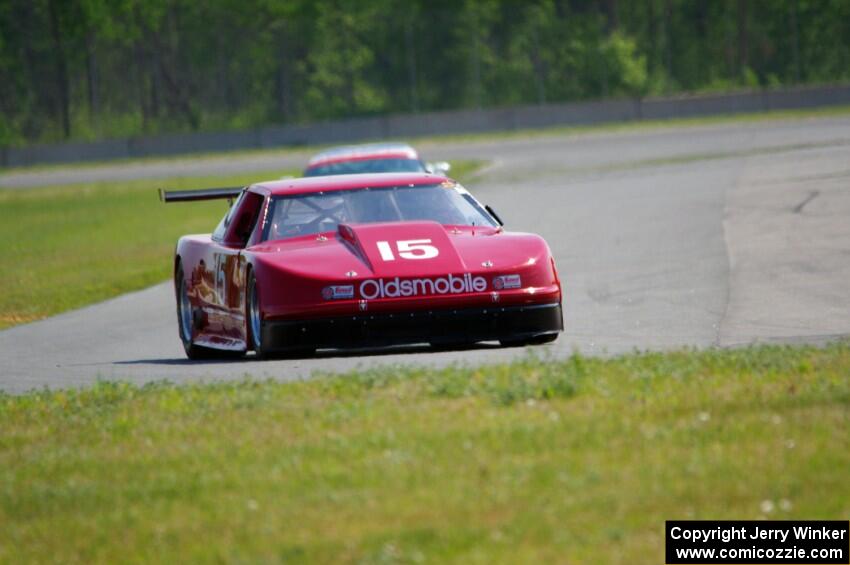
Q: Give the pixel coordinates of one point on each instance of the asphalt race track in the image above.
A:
(685, 236)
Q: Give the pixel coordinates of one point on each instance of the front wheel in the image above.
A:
(255, 318)
(256, 330)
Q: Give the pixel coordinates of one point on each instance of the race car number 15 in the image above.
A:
(408, 249)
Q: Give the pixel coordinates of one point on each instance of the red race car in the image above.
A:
(359, 261)
(371, 158)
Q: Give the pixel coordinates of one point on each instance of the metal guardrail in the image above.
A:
(450, 122)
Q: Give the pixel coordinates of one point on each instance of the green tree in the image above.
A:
(89, 69)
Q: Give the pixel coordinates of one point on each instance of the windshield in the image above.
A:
(305, 214)
(389, 165)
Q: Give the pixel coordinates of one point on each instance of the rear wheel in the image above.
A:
(186, 322)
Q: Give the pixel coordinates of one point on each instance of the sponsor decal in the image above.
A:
(396, 287)
(338, 292)
(507, 281)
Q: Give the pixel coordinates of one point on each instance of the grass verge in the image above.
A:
(68, 246)
(577, 461)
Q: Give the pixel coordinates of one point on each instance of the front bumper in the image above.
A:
(424, 326)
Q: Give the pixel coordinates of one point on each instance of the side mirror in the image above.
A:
(438, 168)
(494, 214)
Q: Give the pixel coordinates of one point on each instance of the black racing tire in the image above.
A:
(186, 324)
(536, 340)
(254, 318)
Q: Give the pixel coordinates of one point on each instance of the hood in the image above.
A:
(401, 249)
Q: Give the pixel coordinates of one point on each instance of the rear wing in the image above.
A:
(203, 194)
